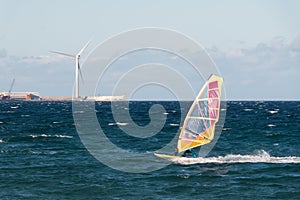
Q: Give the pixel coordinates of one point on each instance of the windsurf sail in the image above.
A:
(199, 125)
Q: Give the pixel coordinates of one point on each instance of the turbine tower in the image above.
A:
(77, 66)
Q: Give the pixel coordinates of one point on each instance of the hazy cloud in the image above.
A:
(40, 60)
(260, 71)
(3, 53)
(277, 53)
(295, 44)
(51, 75)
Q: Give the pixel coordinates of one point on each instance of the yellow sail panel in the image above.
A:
(202, 139)
(199, 124)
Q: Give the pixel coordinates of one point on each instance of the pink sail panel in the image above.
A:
(213, 84)
(214, 101)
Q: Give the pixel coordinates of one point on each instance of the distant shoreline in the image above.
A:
(68, 98)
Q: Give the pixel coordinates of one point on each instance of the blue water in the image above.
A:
(256, 157)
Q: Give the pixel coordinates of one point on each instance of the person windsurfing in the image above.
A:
(189, 153)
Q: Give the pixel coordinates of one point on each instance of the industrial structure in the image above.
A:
(5, 96)
(19, 96)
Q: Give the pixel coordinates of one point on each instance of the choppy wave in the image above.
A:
(273, 111)
(118, 123)
(56, 136)
(172, 124)
(261, 157)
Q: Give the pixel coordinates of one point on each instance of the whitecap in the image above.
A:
(63, 136)
(36, 152)
(44, 135)
(273, 111)
(271, 125)
(226, 129)
(174, 124)
(52, 152)
(122, 123)
(118, 123)
(248, 109)
(9, 111)
(1, 141)
(260, 157)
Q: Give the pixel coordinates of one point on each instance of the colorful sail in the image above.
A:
(199, 125)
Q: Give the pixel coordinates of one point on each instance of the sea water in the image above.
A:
(256, 157)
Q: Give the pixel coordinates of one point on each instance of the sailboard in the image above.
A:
(165, 156)
(199, 125)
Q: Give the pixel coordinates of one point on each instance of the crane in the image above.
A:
(7, 97)
(11, 87)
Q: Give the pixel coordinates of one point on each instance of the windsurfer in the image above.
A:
(189, 152)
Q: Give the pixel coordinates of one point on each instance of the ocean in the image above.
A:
(256, 157)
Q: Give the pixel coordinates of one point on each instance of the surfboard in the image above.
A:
(165, 156)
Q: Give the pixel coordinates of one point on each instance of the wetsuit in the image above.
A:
(188, 152)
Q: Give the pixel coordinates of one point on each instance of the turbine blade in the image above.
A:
(85, 46)
(65, 54)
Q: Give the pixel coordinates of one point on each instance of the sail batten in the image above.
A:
(195, 117)
(199, 125)
(205, 99)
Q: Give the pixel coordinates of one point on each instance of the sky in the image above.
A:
(255, 44)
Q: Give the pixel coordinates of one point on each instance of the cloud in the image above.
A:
(262, 71)
(295, 44)
(274, 54)
(51, 75)
(31, 61)
(3, 53)
(40, 60)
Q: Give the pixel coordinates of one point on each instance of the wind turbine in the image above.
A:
(77, 66)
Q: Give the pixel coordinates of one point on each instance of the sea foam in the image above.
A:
(56, 136)
(261, 157)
